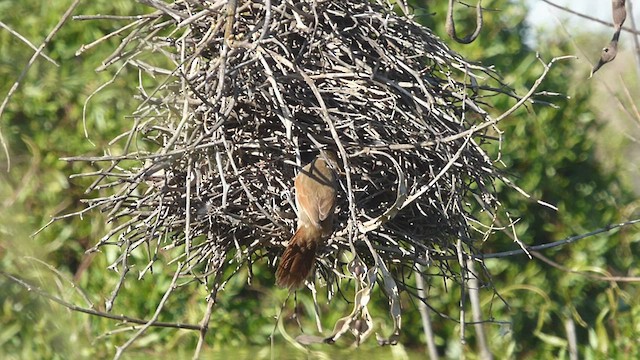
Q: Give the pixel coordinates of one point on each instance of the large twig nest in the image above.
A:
(217, 143)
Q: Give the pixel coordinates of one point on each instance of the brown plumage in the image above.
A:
(608, 53)
(619, 13)
(316, 199)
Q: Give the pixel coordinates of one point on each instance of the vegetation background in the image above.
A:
(580, 155)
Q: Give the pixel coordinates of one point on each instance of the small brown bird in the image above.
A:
(316, 199)
(619, 14)
(608, 53)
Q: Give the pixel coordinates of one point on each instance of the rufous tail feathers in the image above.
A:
(297, 260)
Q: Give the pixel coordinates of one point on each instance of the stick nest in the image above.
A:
(246, 93)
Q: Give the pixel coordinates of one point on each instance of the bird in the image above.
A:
(619, 13)
(608, 53)
(315, 193)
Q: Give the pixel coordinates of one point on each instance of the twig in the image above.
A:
(70, 306)
(204, 327)
(631, 30)
(120, 349)
(60, 275)
(476, 312)
(26, 41)
(432, 350)
(582, 273)
(115, 17)
(554, 244)
(572, 341)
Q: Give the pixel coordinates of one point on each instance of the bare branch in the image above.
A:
(558, 243)
(554, 264)
(120, 349)
(38, 291)
(26, 41)
(627, 29)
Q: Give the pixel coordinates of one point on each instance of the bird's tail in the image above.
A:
(297, 260)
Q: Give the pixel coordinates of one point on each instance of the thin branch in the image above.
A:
(555, 244)
(204, 327)
(570, 328)
(26, 41)
(489, 123)
(60, 275)
(120, 349)
(628, 29)
(432, 350)
(476, 312)
(115, 17)
(582, 273)
(70, 306)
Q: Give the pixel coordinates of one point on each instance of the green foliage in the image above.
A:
(551, 154)
(41, 124)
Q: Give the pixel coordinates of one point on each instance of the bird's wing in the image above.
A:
(326, 204)
(317, 201)
(307, 202)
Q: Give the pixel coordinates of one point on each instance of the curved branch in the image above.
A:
(450, 25)
(38, 291)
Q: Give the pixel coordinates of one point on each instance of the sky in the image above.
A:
(542, 13)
